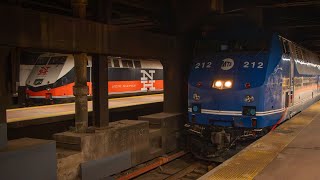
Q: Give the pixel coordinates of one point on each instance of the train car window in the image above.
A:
(116, 63)
(306, 62)
(286, 47)
(298, 52)
(109, 63)
(130, 63)
(58, 60)
(124, 64)
(42, 61)
(137, 64)
(127, 64)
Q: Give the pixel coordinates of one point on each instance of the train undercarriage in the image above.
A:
(217, 143)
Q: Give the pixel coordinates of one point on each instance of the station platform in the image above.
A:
(291, 151)
(59, 112)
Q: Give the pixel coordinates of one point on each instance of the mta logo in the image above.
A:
(43, 71)
(147, 80)
(227, 64)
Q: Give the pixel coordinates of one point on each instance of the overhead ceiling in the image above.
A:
(298, 20)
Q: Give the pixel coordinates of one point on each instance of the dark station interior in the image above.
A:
(159, 89)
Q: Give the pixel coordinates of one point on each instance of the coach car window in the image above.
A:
(137, 64)
(109, 63)
(127, 64)
(308, 64)
(58, 60)
(286, 47)
(42, 61)
(116, 63)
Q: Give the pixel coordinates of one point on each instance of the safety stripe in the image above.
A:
(238, 113)
(263, 113)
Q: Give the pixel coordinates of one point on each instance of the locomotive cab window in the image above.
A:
(58, 60)
(42, 61)
(207, 46)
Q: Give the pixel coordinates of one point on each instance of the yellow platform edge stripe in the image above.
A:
(252, 160)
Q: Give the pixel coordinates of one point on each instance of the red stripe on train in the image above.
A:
(114, 87)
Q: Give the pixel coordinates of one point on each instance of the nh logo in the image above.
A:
(147, 80)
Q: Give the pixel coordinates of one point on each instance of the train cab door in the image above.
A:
(288, 50)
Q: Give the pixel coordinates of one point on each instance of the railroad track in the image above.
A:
(194, 171)
(185, 167)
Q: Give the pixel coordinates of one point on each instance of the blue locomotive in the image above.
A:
(240, 89)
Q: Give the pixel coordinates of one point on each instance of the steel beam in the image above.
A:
(100, 91)
(38, 30)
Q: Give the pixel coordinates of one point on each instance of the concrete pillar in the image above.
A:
(4, 93)
(80, 91)
(176, 78)
(3, 123)
(79, 8)
(100, 91)
(172, 87)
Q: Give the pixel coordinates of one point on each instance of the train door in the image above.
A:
(288, 50)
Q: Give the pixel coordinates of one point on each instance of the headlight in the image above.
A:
(218, 84)
(228, 84)
(222, 84)
(48, 88)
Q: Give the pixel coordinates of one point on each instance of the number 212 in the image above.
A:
(253, 64)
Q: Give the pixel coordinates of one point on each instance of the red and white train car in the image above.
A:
(52, 77)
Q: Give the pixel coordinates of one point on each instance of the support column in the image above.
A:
(100, 91)
(3, 121)
(4, 94)
(80, 91)
(172, 87)
(176, 78)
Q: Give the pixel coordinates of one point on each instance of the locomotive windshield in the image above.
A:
(58, 60)
(210, 46)
(42, 60)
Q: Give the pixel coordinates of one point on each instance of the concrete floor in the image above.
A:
(300, 159)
